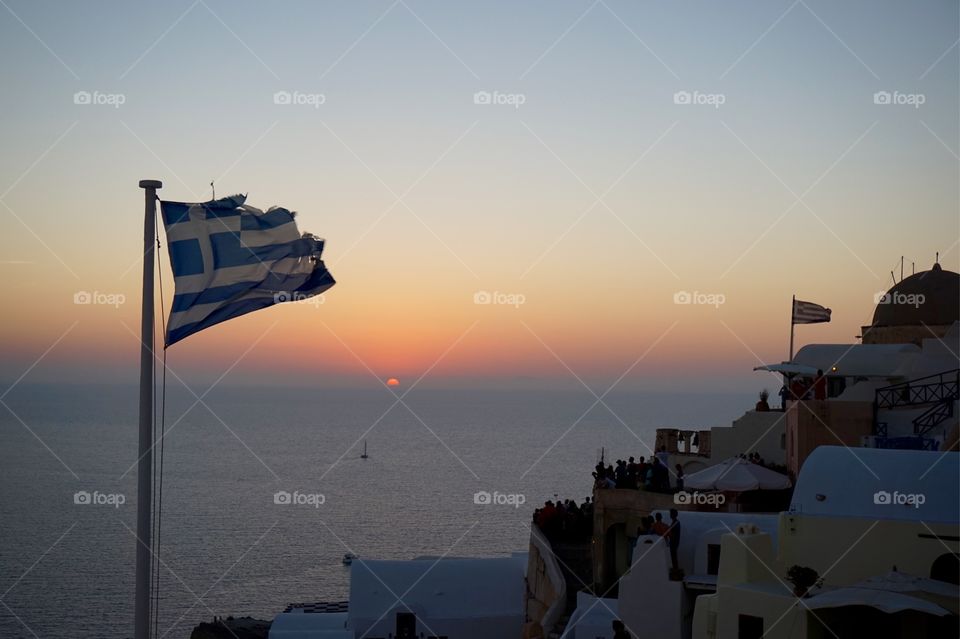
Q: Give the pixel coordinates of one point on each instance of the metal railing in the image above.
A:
(937, 414)
(923, 390)
(907, 443)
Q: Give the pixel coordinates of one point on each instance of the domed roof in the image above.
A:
(929, 297)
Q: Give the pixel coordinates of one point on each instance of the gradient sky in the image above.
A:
(597, 200)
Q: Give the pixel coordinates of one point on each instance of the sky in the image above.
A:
(583, 166)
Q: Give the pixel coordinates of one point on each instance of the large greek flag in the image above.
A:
(229, 259)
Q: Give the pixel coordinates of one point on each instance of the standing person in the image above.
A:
(664, 456)
(820, 386)
(679, 478)
(659, 527)
(674, 534)
(655, 475)
(631, 473)
(784, 393)
(797, 388)
(661, 476)
(620, 474)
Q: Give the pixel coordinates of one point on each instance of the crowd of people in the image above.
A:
(651, 474)
(798, 387)
(565, 521)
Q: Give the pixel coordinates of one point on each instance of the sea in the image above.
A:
(264, 490)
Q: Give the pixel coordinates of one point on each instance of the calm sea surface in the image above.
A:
(67, 569)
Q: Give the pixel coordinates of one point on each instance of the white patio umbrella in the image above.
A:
(941, 592)
(886, 601)
(737, 475)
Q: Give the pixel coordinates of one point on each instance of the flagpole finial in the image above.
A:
(151, 184)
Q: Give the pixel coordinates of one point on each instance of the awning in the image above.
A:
(788, 368)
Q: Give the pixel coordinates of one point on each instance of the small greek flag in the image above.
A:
(809, 313)
(230, 259)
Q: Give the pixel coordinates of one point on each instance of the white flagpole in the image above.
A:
(793, 308)
(141, 625)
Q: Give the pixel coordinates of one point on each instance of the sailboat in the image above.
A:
(364, 455)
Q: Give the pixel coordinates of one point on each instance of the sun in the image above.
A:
(393, 381)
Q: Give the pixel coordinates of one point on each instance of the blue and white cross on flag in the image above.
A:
(229, 259)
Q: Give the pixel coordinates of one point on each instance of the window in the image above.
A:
(749, 627)
(406, 625)
(713, 559)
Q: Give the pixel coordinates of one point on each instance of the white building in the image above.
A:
(422, 598)
(879, 527)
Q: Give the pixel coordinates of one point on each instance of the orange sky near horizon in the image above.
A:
(363, 334)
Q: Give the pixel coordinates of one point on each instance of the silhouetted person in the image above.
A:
(663, 456)
(659, 527)
(679, 477)
(619, 630)
(797, 388)
(820, 386)
(674, 534)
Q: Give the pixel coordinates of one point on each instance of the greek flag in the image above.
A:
(809, 313)
(230, 259)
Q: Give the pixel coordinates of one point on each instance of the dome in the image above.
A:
(929, 297)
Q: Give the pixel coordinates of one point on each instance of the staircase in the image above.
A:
(939, 392)
(576, 565)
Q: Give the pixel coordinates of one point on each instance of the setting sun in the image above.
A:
(393, 381)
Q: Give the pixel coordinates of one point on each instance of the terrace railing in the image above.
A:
(923, 390)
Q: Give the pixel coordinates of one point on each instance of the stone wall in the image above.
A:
(820, 422)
